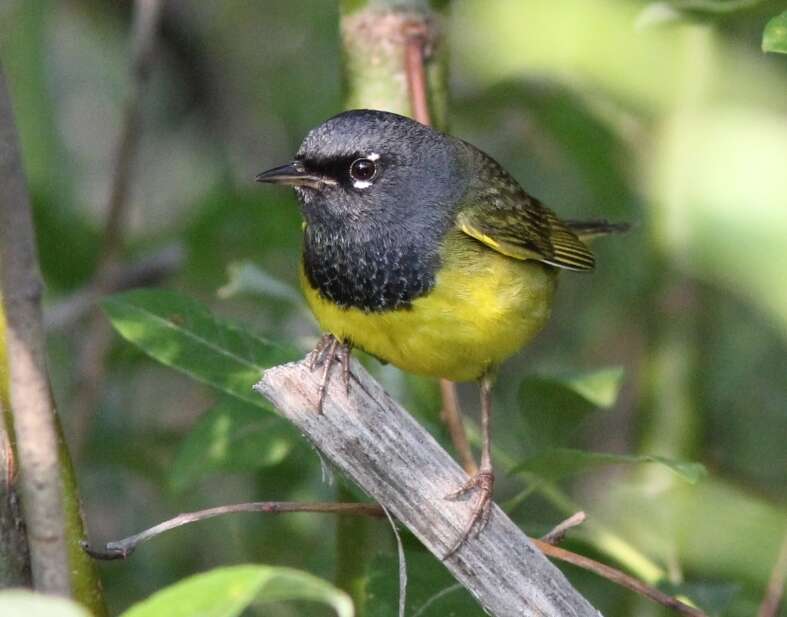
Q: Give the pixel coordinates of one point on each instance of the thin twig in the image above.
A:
(452, 417)
(31, 401)
(147, 15)
(773, 594)
(559, 532)
(121, 549)
(418, 89)
(417, 83)
(618, 577)
(96, 341)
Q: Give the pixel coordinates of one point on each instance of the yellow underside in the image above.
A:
(483, 308)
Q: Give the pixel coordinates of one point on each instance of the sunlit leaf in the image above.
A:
(181, 333)
(23, 603)
(774, 38)
(657, 14)
(226, 592)
(599, 387)
(231, 437)
(561, 462)
(431, 590)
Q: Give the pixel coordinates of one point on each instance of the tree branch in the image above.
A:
(121, 549)
(617, 577)
(31, 401)
(375, 442)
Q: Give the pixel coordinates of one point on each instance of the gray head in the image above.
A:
(365, 169)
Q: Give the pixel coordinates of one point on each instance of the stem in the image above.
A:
(617, 577)
(46, 481)
(452, 417)
(121, 549)
(14, 551)
(375, 42)
(34, 413)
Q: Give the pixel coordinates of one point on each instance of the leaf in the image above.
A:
(246, 277)
(557, 463)
(431, 590)
(599, 387)
(554, 406)
(181, 333)
(774, 37)
(232, 437)
(23, 603)
(226, 592)
(713, 598)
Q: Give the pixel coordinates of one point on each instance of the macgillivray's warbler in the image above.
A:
(424, 252)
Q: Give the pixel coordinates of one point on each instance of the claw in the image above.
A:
(327, 351)
(484, 481)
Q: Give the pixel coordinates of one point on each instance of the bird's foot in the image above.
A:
(328, 351)
(484, 482)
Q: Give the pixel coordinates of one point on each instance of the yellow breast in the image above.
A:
(483, 308)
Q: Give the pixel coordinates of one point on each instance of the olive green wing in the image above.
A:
(501, 215)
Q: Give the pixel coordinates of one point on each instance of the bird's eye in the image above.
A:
(363, 170)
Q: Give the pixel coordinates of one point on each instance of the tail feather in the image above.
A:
(600, 227)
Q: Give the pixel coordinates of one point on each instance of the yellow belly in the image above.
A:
(483, 308)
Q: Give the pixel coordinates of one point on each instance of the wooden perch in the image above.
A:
(374, 441)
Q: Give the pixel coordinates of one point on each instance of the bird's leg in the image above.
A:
(328, 350)
(484, 479)
(344, 357)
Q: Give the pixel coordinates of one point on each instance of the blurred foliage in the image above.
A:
(665, 114)
(774, 38)
(227, 592)
(23, 603)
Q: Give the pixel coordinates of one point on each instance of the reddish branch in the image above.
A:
(121, 549)
(415, 68)
(773, 594)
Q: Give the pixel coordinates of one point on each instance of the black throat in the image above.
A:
(371, 272)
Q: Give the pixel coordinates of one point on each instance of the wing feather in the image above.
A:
(501, 215)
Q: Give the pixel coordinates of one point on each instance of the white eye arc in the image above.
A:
(364, 170)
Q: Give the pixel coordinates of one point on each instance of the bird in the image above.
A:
(421, 250)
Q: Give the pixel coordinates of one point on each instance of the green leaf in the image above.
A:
(774, 37)
(599, 387)
(23, 603)
(554, 406)
(431, 590)
(713, 598)
(226, 592)
(181, 333)
(231, 437)
(557, 463)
